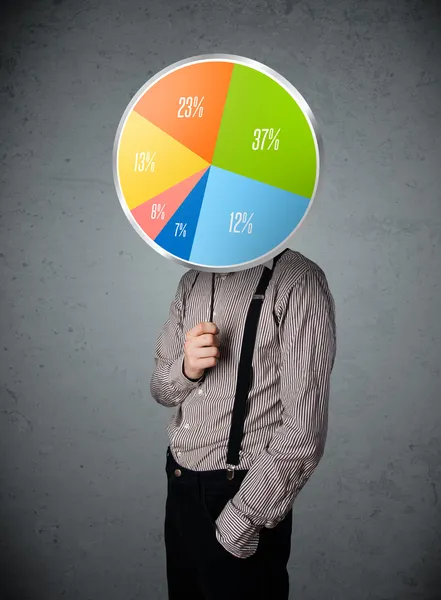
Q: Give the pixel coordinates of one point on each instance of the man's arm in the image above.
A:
(168, 384)
(308, 345)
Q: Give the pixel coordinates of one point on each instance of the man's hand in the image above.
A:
(201, 349)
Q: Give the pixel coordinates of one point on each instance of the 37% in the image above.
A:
(266, 139)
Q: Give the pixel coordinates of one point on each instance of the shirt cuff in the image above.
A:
(236, 533)
(179, 380)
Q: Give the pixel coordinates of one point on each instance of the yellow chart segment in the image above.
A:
(150, 161)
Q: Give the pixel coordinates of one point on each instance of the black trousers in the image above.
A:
(198, 566)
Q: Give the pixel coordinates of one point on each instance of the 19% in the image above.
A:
(266, 139)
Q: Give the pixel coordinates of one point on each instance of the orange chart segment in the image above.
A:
(153, 216)
(150, 161)
(188, 104)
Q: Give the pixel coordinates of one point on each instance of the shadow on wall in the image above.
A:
(24, 573)
(427, 574)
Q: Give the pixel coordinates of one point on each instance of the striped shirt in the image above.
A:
(287, 411)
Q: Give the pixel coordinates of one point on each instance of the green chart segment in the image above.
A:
(282, 151)
(233, 179)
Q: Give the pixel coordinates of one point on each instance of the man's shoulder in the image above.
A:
(298, 272)
(293, 265)
(188, 279)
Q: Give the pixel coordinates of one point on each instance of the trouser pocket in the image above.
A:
(216, 498)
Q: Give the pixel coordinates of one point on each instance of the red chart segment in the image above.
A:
(178, 235)
(152, 216)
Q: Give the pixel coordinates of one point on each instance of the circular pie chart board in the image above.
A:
(216, 162)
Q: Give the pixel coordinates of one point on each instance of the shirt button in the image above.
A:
(214, 314)
(200, 392)
(178, 453)
(186, 426)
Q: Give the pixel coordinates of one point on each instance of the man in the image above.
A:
(250, 384)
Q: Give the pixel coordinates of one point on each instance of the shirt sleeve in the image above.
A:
(168, 384)
(308, 346)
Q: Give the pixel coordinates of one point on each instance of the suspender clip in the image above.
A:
(230, 472)
(258, 297)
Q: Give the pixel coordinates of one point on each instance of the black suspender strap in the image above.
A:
(244, 371)
(212, 299)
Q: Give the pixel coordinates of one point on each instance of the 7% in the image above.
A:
(180, 230)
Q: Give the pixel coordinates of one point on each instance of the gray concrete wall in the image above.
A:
(82, 296)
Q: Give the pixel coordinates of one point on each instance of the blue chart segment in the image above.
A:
(241, 218)
(178, 235)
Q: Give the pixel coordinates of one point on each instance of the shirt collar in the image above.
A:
(268, 264)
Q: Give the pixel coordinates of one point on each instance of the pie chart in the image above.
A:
(216, 162)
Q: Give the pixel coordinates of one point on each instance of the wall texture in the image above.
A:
(82, 297)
